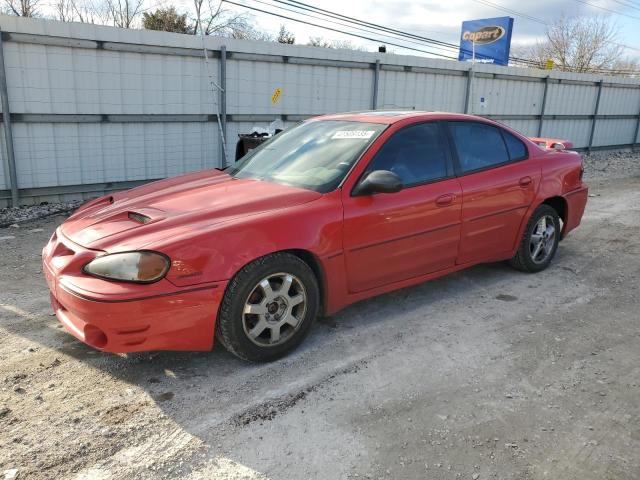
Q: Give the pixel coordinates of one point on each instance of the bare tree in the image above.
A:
(337, 44)
(212, 19)
(580, 44)
(627, 65)
(123, 13)
(319, 42)
(22, 8)
(85, 11)
(64, 10)
(89, 11)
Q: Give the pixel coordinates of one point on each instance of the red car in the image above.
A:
(332, 211)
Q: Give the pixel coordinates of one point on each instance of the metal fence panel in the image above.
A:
(570, 99)
(619, 101)
(614, 131)
(421, 91)
(575, 130)
(506, 96)
(73, 154)
(91, 105)
(526, 127)
(59, 80)
(306, 89)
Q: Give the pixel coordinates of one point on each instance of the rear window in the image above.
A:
(479, 146)
(517, 149)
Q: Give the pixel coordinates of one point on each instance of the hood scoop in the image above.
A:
(94, 227)
(139, 217)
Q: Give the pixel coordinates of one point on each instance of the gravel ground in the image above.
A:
(15, 216)
(608, 164)
(485, 374)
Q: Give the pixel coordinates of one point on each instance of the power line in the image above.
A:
(440, 45)
(521, 61)
(513, 12)
(305, 6)
(430, 41)
(376, 26)
(338, 31)
(627, 5)
(543, 22)
(607, 9)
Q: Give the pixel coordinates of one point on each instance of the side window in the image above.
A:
(478, 145)
(517, 149)
(416, 154)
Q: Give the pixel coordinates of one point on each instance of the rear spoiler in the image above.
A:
(552, 143)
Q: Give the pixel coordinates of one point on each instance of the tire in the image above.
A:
(260, 321)
(532, 257)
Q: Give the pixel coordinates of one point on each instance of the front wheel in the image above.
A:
(268, 307)
(540, 241)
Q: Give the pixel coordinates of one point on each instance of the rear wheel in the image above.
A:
(540, 241)
(268, 308)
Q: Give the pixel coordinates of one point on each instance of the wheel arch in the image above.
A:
(559, 204)
(315, 264)
(310, 259)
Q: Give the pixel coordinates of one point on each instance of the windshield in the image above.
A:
(314, 155)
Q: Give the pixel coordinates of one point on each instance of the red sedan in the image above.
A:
(332, 211)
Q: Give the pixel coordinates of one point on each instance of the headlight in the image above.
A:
(142, 267)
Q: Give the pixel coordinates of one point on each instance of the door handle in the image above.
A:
(446, 199)
(524, 181)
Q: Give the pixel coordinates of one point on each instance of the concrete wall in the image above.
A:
(95, 108)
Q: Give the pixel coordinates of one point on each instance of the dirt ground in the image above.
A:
(485, 374)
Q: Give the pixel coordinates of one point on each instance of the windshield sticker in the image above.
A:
(364, 134)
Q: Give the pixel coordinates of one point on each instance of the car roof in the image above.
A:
(393, 116)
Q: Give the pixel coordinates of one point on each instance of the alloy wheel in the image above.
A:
(274, 309)
(542, 239)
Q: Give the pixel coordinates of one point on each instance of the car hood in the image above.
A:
(205, 198)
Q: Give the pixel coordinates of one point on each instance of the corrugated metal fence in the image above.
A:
(96, 108)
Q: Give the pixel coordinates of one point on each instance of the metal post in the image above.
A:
(376, 79)
(544, 105)
(8, 135)
(595, 113)
(467, 94)
(223, 101)
(634, 142)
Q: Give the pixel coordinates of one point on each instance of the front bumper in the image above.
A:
(119, 322)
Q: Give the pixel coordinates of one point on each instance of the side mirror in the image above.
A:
(378, 181)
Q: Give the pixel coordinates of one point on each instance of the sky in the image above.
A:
(438, 19)
(441, 19)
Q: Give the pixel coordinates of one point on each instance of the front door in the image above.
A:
(390, 237)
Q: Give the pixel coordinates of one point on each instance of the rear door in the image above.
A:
(390, 237)
(498, 181)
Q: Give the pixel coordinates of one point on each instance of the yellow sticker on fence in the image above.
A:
(549, 65)
(276, 95)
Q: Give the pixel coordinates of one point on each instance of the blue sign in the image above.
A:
(489, 38)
